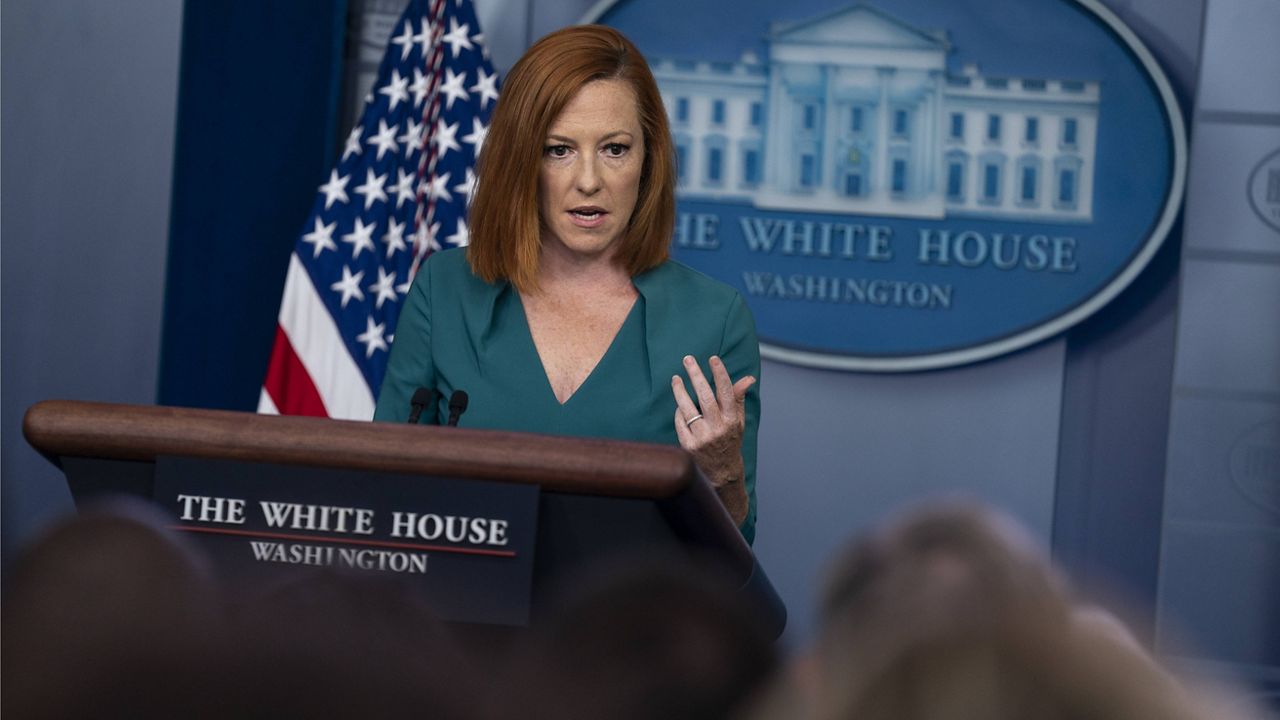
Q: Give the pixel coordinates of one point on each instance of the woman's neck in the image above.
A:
(563, 273)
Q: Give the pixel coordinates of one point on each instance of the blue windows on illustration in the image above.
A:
(853, 171)
(757, 114)
(1032, 134)
(991, 180)
(751, 167)
(717, 112)
(682, 109)
(1069, 133)
(956, 166)
(899, 181)
(1028, 181)
(957, 126)
(993, 127)
(856, 124)
(1067, 172)
(1066, 187)
(810, 112)
(901, 124)
(808, 171)
(713, 173)
(853, 185)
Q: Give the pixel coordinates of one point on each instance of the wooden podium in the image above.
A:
(598, 498)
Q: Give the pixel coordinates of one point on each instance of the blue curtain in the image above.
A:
(258, 110)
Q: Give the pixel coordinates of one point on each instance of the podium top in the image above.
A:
(139, 433)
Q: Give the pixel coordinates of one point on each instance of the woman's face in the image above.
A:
(590, 176)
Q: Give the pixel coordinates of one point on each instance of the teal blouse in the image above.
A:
(457, 332)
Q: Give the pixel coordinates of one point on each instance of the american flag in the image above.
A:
(398, 192)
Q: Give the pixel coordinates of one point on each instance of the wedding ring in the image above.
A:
(693, 420)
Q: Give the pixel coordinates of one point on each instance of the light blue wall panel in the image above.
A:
(1220, 560)
(89, 102)
(1223, 463)
(841, 452)
(1220, 214)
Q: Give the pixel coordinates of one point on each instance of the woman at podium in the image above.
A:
(565, 314)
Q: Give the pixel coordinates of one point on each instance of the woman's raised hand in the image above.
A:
(710, 425)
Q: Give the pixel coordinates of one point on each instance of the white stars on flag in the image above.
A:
(321, 238)
(461, 236)
(487, 86)
(457, 38)
(425, 239)
(397, 91)
(412, 137)
(349, 285)
(439, 189)
(419, 88)
(424, 38)
(360, 238)
(373, 188)
(385, 139)
(477, 135)
(335, 189)
(467, 187)
(394, 238)
(353, 144)
(452, 88)
(404, 41)
(403, 189)
(372, 337)
(385, 288)
(445, 138)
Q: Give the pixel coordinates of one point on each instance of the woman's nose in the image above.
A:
(588, 178)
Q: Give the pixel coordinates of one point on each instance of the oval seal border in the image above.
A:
(1054, 326)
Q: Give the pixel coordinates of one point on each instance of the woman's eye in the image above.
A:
(615, 149)
(557, 151)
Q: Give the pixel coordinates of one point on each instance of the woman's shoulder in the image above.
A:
(448, 270)
(683, 283)
(447, 263)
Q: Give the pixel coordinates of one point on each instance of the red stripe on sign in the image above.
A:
(288, 382)
(345, 541)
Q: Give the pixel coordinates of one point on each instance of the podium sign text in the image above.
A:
(467, 544)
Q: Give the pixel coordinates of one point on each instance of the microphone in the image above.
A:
(422, 397)
(457, 406)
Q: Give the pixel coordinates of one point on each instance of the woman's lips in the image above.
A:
(587, 217)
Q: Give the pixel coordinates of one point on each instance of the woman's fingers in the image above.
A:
(707, 400)
(683, 432)
(714, 438)
(724, 385)
(719, 415)
(685, 407)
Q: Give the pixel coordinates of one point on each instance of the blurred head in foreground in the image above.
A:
(650, 641)
(951, 612)
(96, 605)
(111, 614)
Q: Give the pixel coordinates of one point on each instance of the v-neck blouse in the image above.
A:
(457, 332)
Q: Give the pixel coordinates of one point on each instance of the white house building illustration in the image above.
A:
(855, 112)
